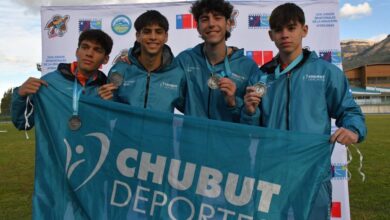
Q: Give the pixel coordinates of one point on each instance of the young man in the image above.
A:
(94, 47)
(303, 93)
(151, 79)
(216, 74)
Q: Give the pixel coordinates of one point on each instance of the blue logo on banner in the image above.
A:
(90, 25)
(121, 24)
(339, 171)
(336, 57)
(254, 20)
(332, 56)
(258, 21)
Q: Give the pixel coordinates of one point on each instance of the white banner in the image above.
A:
(61, 26)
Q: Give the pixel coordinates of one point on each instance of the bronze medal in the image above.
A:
(74, 123)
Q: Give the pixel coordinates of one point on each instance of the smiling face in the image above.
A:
(152, 39)
(90, 56)
(288, 38)
(212, 27)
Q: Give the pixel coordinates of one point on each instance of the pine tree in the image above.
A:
(6, 103)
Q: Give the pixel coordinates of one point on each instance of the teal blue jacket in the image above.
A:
(200, 100)
(156, 90)
(62, 79)
(306, 98)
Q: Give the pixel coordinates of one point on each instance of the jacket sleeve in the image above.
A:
(250, 119)
(179, 103)
(18, 107)
(342, 106)
(236, 110)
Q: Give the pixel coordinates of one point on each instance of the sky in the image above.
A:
(20, 28)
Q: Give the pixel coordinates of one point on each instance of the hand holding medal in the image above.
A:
(254, 94)
(228, 89)
(115, 80)
(252, 98)
(213, 81)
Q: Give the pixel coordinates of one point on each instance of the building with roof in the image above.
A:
(370, 86)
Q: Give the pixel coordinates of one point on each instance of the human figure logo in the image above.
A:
(70, 167)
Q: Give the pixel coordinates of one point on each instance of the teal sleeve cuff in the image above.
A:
(250, 119)
(237, 107)
(361, 137)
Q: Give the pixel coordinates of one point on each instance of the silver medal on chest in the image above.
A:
(213, 81)
(116, 79)
(260, 88)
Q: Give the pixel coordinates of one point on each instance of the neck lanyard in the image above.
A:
(263, 79)
(74, 122)
(76, 95)
(227, 72)
(289, 67)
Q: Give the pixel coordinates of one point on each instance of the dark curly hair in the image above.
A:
(206, 6)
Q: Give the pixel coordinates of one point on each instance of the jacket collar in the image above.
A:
(65, 70)
(167, 57)
(270, 67)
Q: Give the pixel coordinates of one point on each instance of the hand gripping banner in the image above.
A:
(129, 163)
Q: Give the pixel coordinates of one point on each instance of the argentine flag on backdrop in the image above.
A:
(128, 163)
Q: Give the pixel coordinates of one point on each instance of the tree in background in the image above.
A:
(6, 103)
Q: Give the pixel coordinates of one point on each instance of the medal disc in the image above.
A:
(212, 82)
(260, 88)
(116, 78)
(74, 123)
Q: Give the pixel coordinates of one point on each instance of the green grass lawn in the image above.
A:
(16, 172)
(371, 199)
(368, 200)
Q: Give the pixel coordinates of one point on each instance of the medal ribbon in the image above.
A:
(263, 79)
(76, 96)
(227, 72)
(289, 67)
(76, 91)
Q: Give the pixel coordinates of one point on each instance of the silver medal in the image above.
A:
(74, 123)
(212, 82)
(116, 79)
(260, 88)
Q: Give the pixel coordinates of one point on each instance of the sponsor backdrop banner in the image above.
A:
(127, 163)
(61, 26)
